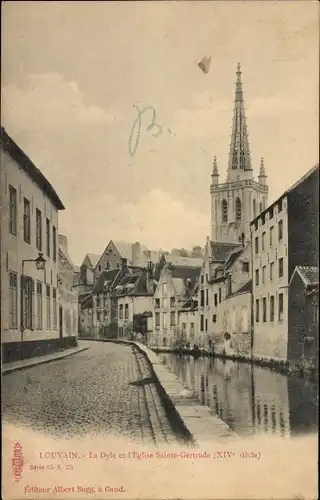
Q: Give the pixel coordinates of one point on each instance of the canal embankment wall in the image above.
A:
(196, 421)
(300, 368)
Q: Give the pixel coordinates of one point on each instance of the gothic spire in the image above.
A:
(239, 155)
(215, 166)
(262, 173)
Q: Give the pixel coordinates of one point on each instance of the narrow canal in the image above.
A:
(250, 399)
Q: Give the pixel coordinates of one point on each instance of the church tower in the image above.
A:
(238, 200)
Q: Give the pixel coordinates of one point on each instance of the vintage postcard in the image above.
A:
(159, 250)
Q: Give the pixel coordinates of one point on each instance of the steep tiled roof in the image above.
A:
(105, 277)
(133, 283)
(247, 287)
(8, 145)
(234, 254)
(185, 272)
(309, 275)
(220, 251)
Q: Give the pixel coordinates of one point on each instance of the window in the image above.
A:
(13, 321)
(220, 295)
(272, 308)
(280, 306)
(164, 303)
(202, 298)
(261, 206)
(214, 318)
(264, 309)
(257, 277)
(54, 305)
(192, 329)
(39, 306)
(257, 311)
(172, 301)
(224, 211)
(164, 289)
(126, 311)
(48, 308)
(164, 320)
(245, 267)
(280, 229)
(271, 213)
(172, 318)
(215, 299)
(157, 303)
(27, 305)
(254, 208)
(271, 235)
(207, 297)
(98, 316)
(263, 274)
(54, 243)
(157, 315)
(263, 219)
(107, 265)
(206, 329)
(12, 210)
(202, 278)
(38, 230)
(271, 270)
(238, 209)
(256, 225)
(280, 267)
(48, 236)
(121, 311)
(263, 240)
(201, 323)
(256, 245)
(279, 206)
(26, 221)
(229, 284)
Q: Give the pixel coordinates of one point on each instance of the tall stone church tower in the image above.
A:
(240, 198)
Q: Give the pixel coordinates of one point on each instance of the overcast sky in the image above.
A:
(73, 71)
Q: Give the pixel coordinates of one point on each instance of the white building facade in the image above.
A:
(29, 227)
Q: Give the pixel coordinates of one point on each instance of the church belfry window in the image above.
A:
(224, 211)
(254, 208)
(242, 160)
(238, 209)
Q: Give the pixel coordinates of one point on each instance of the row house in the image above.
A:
(134, 293)
(174, 287)
(29, 256)
(284, 235)
(209, 292)
(68, 299)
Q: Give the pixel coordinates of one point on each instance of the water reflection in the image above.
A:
(250, 399)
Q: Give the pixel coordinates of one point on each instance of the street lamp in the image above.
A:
(40, 265)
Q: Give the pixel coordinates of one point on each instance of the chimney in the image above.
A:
(136, 251)
(149, 278)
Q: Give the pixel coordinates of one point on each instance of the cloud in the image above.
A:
(49, 101)
(156, 220)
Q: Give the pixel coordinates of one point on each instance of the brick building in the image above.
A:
(284, 235)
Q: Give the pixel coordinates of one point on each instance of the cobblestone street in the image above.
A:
(107, 388)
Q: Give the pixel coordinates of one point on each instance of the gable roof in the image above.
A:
(124, 249)
(105, 277)
(308, 274)
(9, 146)
(220, 251)
(247, 287)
